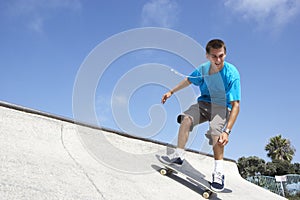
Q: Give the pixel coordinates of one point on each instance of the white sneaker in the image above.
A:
(173, 158)
(217, 182)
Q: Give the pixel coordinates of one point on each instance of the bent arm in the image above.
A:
(181, 85)
(178, 87)
(233, 114)
(223, 140)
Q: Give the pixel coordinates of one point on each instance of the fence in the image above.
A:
(290, 188)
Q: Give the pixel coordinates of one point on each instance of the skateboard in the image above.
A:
(169, 169)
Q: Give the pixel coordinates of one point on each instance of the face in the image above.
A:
(216, 57)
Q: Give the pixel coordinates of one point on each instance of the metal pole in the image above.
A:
(282, 188)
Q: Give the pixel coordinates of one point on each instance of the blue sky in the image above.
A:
(44, 44)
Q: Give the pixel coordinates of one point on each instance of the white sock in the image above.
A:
(180, 153)
(219, 166)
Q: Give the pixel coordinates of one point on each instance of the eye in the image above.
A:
(215, 56)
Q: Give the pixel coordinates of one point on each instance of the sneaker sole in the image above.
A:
(216, 190)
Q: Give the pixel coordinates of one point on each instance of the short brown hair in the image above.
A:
(215, 44)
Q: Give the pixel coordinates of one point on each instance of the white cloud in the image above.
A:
(120, 100)
(36, 24)
(34, 13)
(162, 13)
(266, 13)
(104, 105)
(103, 108)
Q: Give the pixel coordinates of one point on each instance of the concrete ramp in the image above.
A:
(48, 157)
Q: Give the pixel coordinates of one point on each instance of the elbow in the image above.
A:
(235, 105)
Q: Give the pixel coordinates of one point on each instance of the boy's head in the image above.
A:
(215, 44)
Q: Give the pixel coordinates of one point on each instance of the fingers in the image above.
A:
(165, 97)
(223, 139)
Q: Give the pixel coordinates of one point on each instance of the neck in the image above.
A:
(213, 69)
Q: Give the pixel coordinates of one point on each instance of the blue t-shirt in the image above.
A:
(220, 88)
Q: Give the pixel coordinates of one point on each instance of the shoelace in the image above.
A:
(218, 178)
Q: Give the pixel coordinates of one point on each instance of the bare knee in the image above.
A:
(217, 148)
(187, 121)
(185, 126)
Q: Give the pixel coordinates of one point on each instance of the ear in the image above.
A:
(207, 56)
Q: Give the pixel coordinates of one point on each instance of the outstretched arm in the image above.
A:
(178, 87)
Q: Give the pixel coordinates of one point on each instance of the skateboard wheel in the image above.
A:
(206, 194)
(163, 171)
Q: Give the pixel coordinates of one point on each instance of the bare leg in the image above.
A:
(184, 131)
(218, 149)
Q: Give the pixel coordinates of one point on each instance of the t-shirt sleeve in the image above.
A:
(234, 92)
(195, 77)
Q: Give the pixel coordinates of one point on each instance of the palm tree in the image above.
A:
(280, 149)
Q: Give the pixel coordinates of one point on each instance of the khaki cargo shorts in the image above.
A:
(216, 115)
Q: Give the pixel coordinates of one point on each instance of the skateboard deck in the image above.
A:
(169, 169)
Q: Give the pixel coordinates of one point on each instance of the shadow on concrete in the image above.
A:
(185, 182)
(187, 170)
(226, 190)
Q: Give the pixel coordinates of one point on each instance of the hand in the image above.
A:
(223, 139)
(166, 96)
